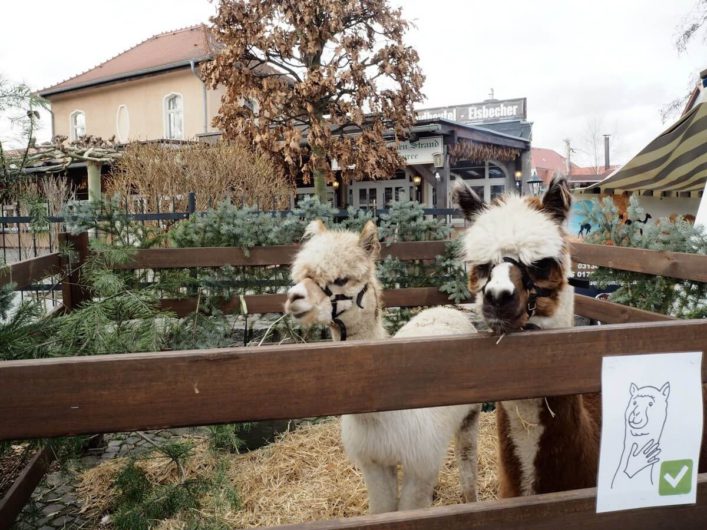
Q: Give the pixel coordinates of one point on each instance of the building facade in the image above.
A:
(153, 91)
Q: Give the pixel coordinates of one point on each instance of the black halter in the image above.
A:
(534, 292)
(335, 299)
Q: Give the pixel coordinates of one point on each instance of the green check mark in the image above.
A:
(675, 477)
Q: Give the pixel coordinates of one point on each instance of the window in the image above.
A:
(122, 124)
(174, 117)
(78, 125)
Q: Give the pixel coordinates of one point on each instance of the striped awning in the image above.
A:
(675, 161)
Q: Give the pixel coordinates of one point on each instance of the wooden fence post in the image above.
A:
(73, 292)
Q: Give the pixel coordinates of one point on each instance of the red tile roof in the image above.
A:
(547, 163)
(173, 48)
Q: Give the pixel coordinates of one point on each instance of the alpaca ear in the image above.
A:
(368, 240)
(633, 389)
(558, 199)
(314, 228)
(665, 390)
(468, 201)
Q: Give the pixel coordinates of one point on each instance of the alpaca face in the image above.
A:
(517, 255)
(334, 276)
(647, 409)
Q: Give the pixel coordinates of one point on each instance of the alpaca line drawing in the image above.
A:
(644, 420)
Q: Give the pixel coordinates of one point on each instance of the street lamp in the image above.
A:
(416, 180)
(535, 185)
(519, 180)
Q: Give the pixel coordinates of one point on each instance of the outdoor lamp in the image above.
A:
(535, 185)
(335, 184)
(519, 180)
(416, 180)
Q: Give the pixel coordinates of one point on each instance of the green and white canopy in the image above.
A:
(675, 161)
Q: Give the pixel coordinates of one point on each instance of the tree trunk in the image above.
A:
(319, 176)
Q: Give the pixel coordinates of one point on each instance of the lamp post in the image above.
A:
(535, 185)
(417, 180)
(519, 181)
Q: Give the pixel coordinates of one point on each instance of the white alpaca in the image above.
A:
(336, 285)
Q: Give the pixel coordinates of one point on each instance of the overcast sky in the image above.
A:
(609, 62)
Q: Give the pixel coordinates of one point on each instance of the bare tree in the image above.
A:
(310, 81)
(694, 23)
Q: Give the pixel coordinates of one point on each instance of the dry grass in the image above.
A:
(163, 175)
(305, 476)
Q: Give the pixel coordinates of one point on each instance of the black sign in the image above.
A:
(486, 111)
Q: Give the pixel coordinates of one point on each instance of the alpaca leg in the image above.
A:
(466, 450)
(382, 485)
(416, 491)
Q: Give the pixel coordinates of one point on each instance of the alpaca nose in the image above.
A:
(292, 297)
(498, 296)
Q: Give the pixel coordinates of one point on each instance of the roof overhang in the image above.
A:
(127, 76)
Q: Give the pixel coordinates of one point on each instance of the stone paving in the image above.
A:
(54, 505)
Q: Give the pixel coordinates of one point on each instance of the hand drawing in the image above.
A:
(644, 419)
(640, 458)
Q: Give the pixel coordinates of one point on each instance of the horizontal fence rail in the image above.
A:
(679, 265)
(26, 272)
(173, 258)
(274, 303)
(613, 313)
(552, 511)
(130, 392)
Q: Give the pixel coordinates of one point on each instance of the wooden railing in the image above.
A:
(52, 397)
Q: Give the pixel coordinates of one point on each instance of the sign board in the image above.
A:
(651, 430)
(486, 111)
(422, 151)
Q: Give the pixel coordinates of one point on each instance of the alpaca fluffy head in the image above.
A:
(342, 262)
(514, 247)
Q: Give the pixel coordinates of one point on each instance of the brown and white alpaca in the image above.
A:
(336, 285)
(519, 261)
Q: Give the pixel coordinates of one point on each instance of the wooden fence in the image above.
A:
(40, 398)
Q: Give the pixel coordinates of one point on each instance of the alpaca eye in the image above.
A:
(483, 270)
(341, 281)
(650, 404)
(542, 267)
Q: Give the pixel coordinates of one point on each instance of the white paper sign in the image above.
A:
(651, 430)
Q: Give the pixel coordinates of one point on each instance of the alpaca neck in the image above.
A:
(363, 329)
(541, 437)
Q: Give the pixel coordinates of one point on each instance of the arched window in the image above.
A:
(174, 117)
(122, 124)
(77, 126)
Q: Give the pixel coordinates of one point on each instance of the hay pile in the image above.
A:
(304, 476)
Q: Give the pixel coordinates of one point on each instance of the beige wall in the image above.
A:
(144, 99)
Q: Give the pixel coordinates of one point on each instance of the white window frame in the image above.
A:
(120, 137)
(72, 126)
(166, 113)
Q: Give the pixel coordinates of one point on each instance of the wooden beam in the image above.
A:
(552, 511)
(274, 303)
(173, 258)
(611, 313)
(127, 392)
(657, 262)
(19, 493)
(26, 272)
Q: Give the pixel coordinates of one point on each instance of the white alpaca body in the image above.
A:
(340, 265)
(416, 439)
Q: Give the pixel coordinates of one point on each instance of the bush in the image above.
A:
(670, 296)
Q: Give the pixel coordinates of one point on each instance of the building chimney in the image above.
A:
(607, 165)
(568, 152)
